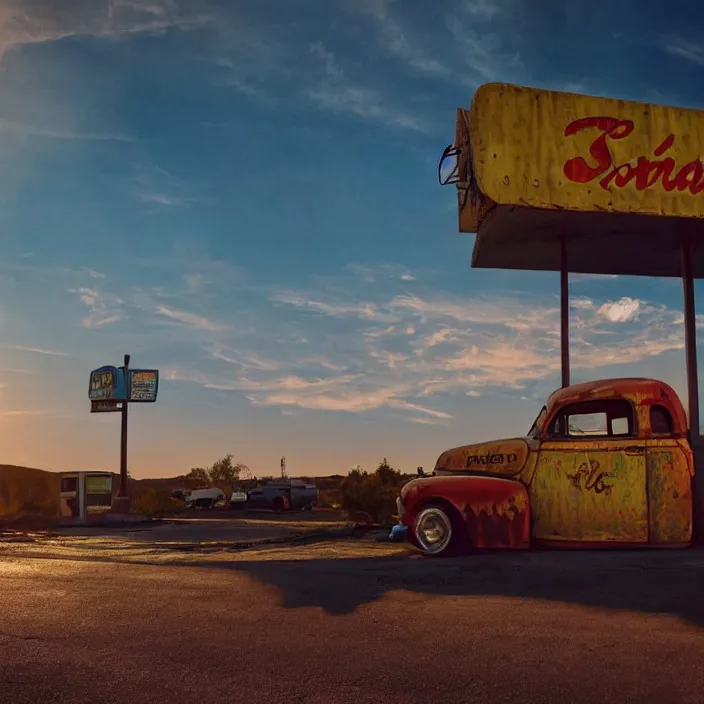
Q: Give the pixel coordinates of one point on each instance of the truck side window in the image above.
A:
(660, 420)
(609, 418)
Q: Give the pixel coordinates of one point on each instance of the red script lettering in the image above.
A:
(644, 172)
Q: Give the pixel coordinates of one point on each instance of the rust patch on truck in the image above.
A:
(499, 516)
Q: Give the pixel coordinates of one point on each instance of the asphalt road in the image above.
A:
(321, 625)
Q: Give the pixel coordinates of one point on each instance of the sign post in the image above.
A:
(112, 389)
(123, 498)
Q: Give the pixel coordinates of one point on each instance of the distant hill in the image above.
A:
(27, 490)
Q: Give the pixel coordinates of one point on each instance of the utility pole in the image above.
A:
(123, 500)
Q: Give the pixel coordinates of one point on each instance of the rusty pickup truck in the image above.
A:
(604, 463)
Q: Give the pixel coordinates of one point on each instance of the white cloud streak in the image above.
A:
(189, 320)
(410, 353)
(105, 308)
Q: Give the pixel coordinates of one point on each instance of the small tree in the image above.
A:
(387, 474)
(225, 471)
(198, 475)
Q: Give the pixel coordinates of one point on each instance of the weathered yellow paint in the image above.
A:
(517, 152)
(669, 492)
(472, 204)
(505, 457)
(590, 492)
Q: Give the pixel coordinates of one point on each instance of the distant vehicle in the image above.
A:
(205, 498)
(284, 495)
(238, 500)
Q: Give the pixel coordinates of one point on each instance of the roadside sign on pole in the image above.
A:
(107, 383)
(143, 385)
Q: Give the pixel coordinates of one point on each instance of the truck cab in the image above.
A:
(605, 463)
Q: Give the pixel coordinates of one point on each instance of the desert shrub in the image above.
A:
(155, 502)
(330, 498)
(372, 494)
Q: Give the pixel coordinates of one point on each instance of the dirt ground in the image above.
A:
(202, 535)
(269, 610)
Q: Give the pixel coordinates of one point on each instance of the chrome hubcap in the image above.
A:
(433, 530)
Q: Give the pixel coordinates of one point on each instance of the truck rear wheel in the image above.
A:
(439, 531)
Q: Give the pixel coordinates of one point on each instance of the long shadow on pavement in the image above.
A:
(663, 582)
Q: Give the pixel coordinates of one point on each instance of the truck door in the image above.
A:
(590, 485)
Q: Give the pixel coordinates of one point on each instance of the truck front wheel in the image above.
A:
(438, 531)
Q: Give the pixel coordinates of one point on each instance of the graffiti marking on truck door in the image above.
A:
(593, 478)
(484, 460)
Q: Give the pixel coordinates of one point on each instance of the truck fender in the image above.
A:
(494, 510)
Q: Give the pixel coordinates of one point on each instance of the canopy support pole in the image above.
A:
(690, 339)
(690, 343)
(564, 313)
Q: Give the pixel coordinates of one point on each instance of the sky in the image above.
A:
(244, 195)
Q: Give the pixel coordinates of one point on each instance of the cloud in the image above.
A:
(475, 345)
(161, 199)
(245, 360)
(481, 9)
(684, 49)
(337, 93)
(365, 310)
(37, 23)
(373, 273)
(154, 185)
(582, 303)
(412, 353)
(36, 350)
(620, 311)
(7, 415)
(189, 320)
(29, 131)
(105, 309)
(397, 43)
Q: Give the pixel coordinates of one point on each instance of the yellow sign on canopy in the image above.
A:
(537, 164)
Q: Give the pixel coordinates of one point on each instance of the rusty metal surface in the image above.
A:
(609, 176)
(642, 392)
(505, 457)
(472, 204)
(582, 491)
(552, 150)
(619, 490)
(496, 511)
(669, 492)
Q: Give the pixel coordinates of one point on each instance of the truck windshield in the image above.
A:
(537, 426)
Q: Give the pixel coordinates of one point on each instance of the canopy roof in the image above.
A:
(622, 182)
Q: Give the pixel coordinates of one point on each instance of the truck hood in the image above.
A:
(505, 457)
